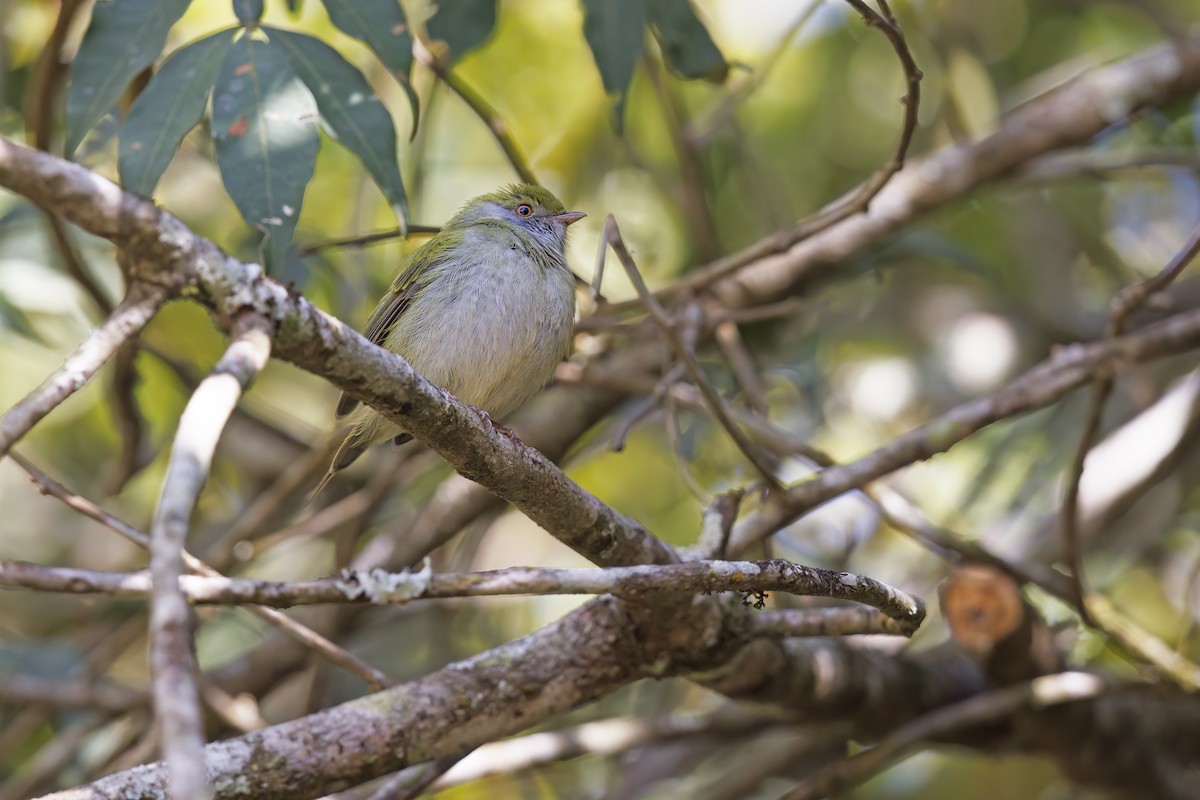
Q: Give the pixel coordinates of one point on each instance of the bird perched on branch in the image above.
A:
(485, 309)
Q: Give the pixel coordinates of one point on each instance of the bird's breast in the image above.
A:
(490, 331)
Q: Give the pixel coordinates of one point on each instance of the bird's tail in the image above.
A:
(353, 446)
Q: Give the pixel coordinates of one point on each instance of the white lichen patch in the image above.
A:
(381, 586)
(727, 569)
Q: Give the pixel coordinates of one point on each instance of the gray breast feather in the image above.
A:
(498, 332)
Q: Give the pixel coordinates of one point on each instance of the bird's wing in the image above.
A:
(383, 319)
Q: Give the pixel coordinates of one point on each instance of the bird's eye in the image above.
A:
(524, 210)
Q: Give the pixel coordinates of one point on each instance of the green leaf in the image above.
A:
(382, 26)
(686, 45)
(249, 12)
(462, 24)
(170, 106)
(264, 124)
(351, 110)
(125, 37)
(613, 29)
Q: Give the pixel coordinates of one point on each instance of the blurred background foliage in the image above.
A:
(951, 307)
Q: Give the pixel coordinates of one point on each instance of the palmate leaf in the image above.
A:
(686, 45)
(351, 110)
(264, 125)
(382, 26)
(170, 106)
(614, 31)
(462, 24)
(124, 38)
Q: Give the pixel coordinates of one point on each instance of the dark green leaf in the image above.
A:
(613, 29)
(293, 7)
(264, 123)
(295, 269)
(249, 12)
(686, 46)
(462, 24)
(170, 106)
(125, 37)
(382, 26)
(351, 110)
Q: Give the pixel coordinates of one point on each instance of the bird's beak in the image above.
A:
(567, 217)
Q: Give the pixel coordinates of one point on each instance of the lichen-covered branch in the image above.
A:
(635, 583)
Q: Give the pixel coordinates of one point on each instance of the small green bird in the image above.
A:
(485, 309)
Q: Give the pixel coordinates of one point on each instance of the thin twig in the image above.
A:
(362, 240)
(710, 121)
(1128, 301)
(644, 409)
(172, 651)
(717, 526)
(612, 236)
(854, 202)
(603, 737)
(480, 106)
(1047, 690)
(302, 634)
(134, 452)
(138, 307)
(691, 195)
(412, 782)
(1046, 383)
(45, 88)
(269, 504)
(729, 339)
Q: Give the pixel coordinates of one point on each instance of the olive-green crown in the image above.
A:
(517, 193)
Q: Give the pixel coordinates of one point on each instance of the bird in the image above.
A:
(485, 310)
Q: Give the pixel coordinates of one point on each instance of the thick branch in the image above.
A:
(160, 248)
(577, 659)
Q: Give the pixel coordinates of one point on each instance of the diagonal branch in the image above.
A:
(158, 247)
(1128, 301)
(1047, 690)
(138, 307)
(1067, 369)
(612, 238)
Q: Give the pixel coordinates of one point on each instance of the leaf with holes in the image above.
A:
(462, 24)
(382, 26)
(351, 110)
(125, 37)
(613, 29)
(686, 44)
(264, 125)
(170, 106)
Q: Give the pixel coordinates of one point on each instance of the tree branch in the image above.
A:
(639, 583)
(172, 651)
(1067, 369)
(138, 307)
